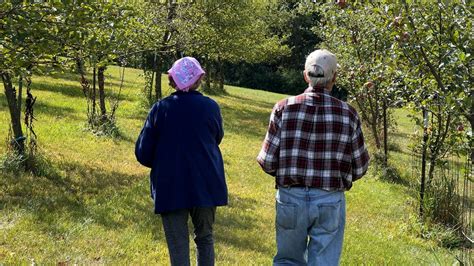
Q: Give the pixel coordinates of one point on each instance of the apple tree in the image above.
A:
(359, 35)
(29, 41)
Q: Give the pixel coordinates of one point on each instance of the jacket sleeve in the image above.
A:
(360, 155)
(270, 153)
(147, 140)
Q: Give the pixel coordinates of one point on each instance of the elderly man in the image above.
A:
(315, 148)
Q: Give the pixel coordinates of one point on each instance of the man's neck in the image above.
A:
(320, 88)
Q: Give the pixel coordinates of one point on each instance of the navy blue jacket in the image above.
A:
(179, 142)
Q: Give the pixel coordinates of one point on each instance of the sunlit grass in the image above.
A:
(93, 206)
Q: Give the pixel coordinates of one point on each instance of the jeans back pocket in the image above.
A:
(286, 215)
(329, 216)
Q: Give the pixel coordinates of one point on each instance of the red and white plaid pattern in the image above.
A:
(314, 140)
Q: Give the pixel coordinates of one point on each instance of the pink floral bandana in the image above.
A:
(185, 72)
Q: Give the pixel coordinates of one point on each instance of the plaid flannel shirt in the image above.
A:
(314, 140)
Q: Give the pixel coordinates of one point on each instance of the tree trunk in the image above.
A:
(220, 76)
(423, 160)
(470, 118)
(150, 88)
(80, 66)
(157, 70)
(93, 95)
(207, 79)
(385, 131)
(20, 92)
(375, 132)
(101, 80)
(371, 108)
(376, 117)
(15, 113)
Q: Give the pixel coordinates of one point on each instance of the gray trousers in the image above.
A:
(175, 225)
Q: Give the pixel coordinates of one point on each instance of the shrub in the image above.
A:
(104, 126)
(12, 162)
(442, 202)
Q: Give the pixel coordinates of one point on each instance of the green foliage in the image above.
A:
(434, 47)
(419, 54)
(28, 36)
(443, 236)
(358, 35)
(229, 32)
(96, 31)
(293, 21)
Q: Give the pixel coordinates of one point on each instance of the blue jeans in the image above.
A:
(309, 226)
(175, 225)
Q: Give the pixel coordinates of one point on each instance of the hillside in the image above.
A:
(92, 203)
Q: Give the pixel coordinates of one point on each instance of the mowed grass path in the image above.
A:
(93, 204)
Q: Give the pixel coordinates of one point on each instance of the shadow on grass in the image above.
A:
(74, 91)
(245, 120)
(43, 108)
(109, 78)
(69, 76)
(392, 174)
(250, 101)
(73, 192)
(240, 221)
(69, 196)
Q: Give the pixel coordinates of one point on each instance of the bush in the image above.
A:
(442, 235)
(12, 162)
(442, 203)
(32, 161)
(104, 126)
(443, 212)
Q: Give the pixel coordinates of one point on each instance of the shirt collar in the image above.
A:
(316, 90)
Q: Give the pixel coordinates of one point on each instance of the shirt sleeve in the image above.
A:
(360, 155)
(268, 156)
(147, 140)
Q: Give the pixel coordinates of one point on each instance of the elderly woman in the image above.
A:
(179, 142)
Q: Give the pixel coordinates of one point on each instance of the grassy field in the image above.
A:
(92, 205)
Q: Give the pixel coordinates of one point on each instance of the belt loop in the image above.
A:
(306, 188)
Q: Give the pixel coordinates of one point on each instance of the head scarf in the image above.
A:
(185, 73)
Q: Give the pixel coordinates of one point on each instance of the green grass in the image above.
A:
(93, 205)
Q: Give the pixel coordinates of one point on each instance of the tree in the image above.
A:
(28, 42)
(293, 22)
(154, 39)
(228, 31)
(358, 34)
(435, 43)
(439, 49)
(96, 34)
